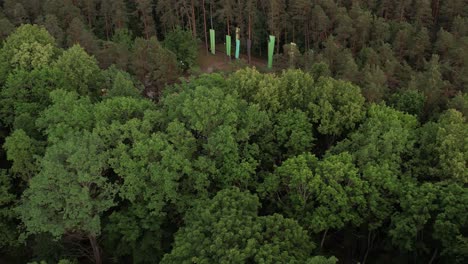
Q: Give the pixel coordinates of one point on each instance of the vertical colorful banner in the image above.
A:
(237, 43)
(212, 41)
(271, 49)
(228, 45)
(237, 48)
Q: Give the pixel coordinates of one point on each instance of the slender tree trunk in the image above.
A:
(433, 256)
(250, 26)
(145, 25)
(278, 42)
(96, 250)
(402, 12)
(249, 42)
(189, 21)
(294, 33)
(107, 27)
(323, 238)
(435, 9)
(194, 27)
(204, 26)
(89, 14)
(369, 245)
(306, 39)
(211, 13)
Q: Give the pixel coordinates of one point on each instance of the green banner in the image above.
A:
(271, 50)
(228, 45)
(237, 48)
(212, 41)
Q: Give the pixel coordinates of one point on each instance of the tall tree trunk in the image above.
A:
(96, 250)
(204, 26)
(433, 256)
(145, 23)
(194, 26)
(323, 238)
(370, 245)
(250, 26)
(294, 33)
(278, 42)
(402, 12)
(306, 38)
(211, 13)
(89, 14)
(435, 10)
(107, 26)
(249, 41)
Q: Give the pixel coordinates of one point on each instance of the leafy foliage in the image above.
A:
(227, 229)
(184, 46)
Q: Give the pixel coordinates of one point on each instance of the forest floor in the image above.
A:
(220, 62)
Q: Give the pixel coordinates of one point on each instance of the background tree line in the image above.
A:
(357, 155)
(389, 48)
(383, 46)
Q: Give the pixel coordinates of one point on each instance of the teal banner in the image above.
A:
(237, 48)
(271, 50)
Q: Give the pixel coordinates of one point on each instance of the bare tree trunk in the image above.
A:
(306, 38)
(402, 12)
(294, 33)
(249, 41)
(96, 250)
(89, 14)
(204, 25)
(194, 27)
(433, 256)
(369, 245)
(435, 9)
(278, 42)
(323, 238)
(145, 25)
(107, 27)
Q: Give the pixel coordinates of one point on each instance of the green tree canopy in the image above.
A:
(77, 71)
(184, 46)
(227, 229)
(444, 148)
(29, 47)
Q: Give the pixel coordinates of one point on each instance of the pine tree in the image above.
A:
(6, 27)
(145, 13)
(277, 20)
(422, 13)
(168, 14)
(16, 12)
(344, 29)
(319, 24)
(114, 13)
(89, 10)
(374, 83)
(77, 33)
(300, 12)
(225, 12)
(52, 24)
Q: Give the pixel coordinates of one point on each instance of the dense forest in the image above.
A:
(117, 147)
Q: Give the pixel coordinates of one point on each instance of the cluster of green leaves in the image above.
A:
(184, 46)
